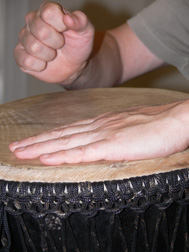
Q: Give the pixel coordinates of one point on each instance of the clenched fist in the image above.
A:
(54, 45)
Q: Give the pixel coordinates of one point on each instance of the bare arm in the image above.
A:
(59, 47)
(86, 59)
(136, 58)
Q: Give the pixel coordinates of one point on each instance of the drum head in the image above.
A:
(30, 116)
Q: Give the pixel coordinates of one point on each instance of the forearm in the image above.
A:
(117, 56)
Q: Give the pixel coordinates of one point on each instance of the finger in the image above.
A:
(37, 49)
(89, 153)
(54, 145)
(84, 126)
(46, 33)
(27, 61)
(50, 134)
(52, 14)
(77, 21)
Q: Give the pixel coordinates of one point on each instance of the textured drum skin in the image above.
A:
(32, 115)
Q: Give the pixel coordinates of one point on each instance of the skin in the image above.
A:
(61, 47)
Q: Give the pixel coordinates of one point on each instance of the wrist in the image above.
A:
(103, 68)
(180, 112)
(75, 81)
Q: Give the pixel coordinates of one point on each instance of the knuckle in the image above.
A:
(31, 63)
(43, 33)
(81, 151)
(65, 156)
(27, 62)
(21, 34)
(35, 47)
(32, 139)
(65, 140)
(48, 11)
(16, 52)
(28, 17)
(98, 123)
(37, 146)
(57, 133)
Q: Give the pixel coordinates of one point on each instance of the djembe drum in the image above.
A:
(95, 207)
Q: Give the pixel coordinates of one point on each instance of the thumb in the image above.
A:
(77, 21)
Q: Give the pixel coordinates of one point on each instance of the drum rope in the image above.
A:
(155, 238)
(136, 223)
(5, 231)
(177, 221)
(121, 233)
(21, 233)
(160, 189)
(52, 208)
(74, 240)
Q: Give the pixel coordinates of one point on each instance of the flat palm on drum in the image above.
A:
(137, 133)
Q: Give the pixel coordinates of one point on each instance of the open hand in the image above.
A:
(138, 133)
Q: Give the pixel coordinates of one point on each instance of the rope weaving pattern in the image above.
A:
(66, 198)
(148, 213)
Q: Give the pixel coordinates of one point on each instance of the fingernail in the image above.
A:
(15, 143)
(66, 11)
(21, 149)
(45, 156)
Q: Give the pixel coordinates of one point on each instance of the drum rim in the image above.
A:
(103, 170)
(63, 199)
